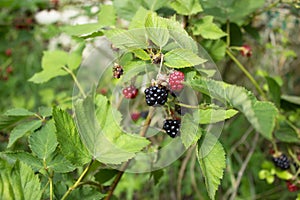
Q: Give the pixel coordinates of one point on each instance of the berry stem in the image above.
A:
(161, 63)
(228, 33)
(75, 80)
(250, 77)
(275, 147)
(146, 125)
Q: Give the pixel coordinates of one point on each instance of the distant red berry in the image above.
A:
(175, 81)
(103, 91)
(135, 116)
(246, 50)
(5, 77)
(9, 70)
(291, 186)
(8, 52)
(130, 92)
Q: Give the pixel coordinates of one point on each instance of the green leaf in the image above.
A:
(74, 60)
(274, 90)
(102, 134)
(286, 133)
(180, 58)
(69, 139)
(52, 63)
(141, 54)
(189, 130)
(156, 29)
(34, 162)
(19, 182)
(291, 99)
(136, 68)
(59, 163)
(127, 39)
(18, 112)
(234, 10)
(212, 165)
(8, 121)
(215, 48)
(154, 5)
(262, 115)
(207, 29)
(266, 114)
(157, 175)
(107, 15)
(83, 30)
(43, 142)
(210, 115)
(138, 21)
(21, 129)
(127, 8)
(105, 175)
(186, 7)
(283, 174)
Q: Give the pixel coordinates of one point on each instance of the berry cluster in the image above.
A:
(130, 92)
(156, 95)
(282, 161)
(172, 127)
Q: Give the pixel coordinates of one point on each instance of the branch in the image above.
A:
(182, 170)
(244, 166)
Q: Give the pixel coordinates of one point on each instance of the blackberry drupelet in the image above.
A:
(156, 95)
(282, 162)
(172, 127)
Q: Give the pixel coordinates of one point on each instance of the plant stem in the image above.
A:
(77, 183)
(244, 166)
(51, 188)
(145, 127)
(228, 33)
(116, 181)
(250, 77)
(75, 80)
(182, 170)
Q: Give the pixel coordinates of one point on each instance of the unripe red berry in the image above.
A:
(130, 92)
(175, 81)
(8, 52)
(246, 50)
(135, 116)
(291, 186)
(9, 69)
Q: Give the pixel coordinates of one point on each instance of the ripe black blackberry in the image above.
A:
(156, 95)
(282, 162)
(172, 127)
